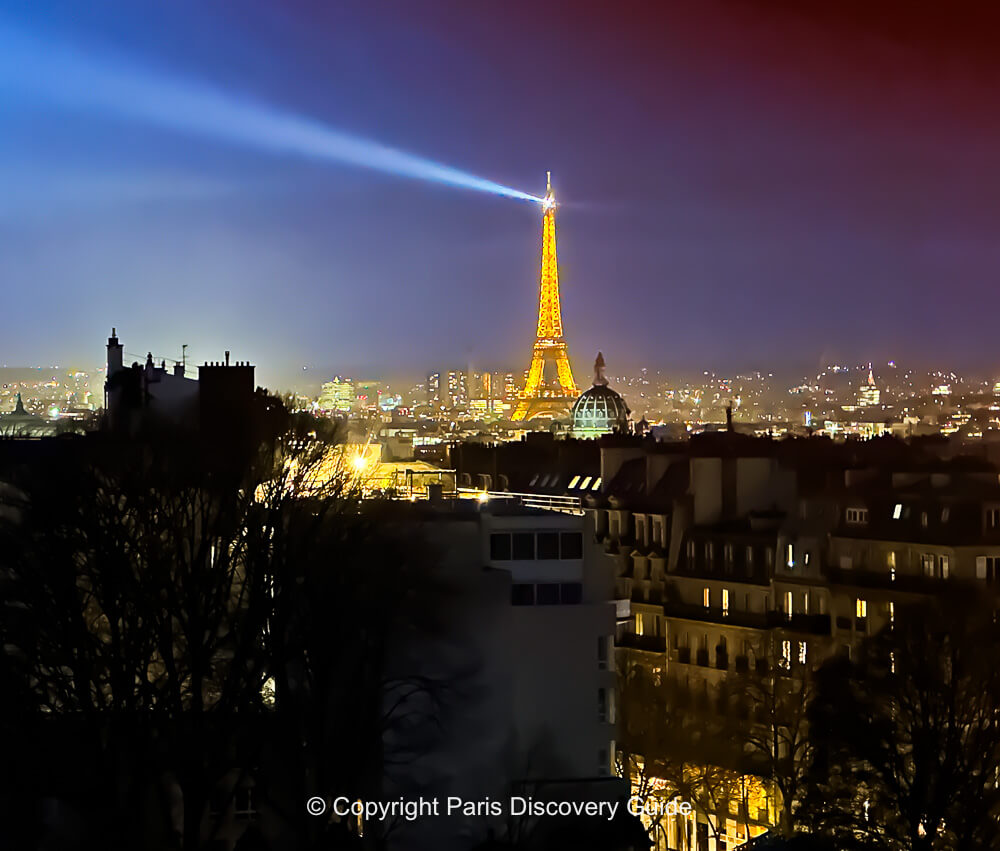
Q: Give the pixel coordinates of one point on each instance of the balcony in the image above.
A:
(812, 624)
(861, 577)
(646, 643)
(702, 658)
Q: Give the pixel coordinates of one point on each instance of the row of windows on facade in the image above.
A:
(859, 516)
(546, 594)
(584, 483)
(788, 604)
(729, 555)
(529, 546)
(680, 645)
(938, 566)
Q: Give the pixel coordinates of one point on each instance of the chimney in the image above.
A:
(115, 352)
(729, 417)
(227, 357)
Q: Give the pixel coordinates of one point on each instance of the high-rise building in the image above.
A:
(434, 388)
(458, 388)
(337, 396)
(869, 393)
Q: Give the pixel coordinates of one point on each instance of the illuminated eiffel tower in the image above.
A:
(542, 396)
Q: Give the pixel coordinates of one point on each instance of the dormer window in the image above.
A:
(857, 516)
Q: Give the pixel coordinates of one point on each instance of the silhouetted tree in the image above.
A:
(773, 729)
(184, 616)
(907, 736)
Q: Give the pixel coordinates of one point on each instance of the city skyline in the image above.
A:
(695, 230)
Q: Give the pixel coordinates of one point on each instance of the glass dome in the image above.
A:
(599, 410)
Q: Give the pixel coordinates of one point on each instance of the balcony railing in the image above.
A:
(861, 577)
(813, 624)
(564, 504)
(647, 643)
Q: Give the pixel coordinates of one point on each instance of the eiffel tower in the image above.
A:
(542, 396)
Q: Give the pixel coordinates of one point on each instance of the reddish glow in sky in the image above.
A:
(743, 184)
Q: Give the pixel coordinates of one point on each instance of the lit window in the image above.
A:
(923, 519)
(725, 601)
(573, 481)
(786, 655)
(890, 559)
(943, 566)
(691, 550)
(861, 608)
(892, 612)
(790, 555)
(586, 482)
(897, 512)
(638, 623)
(857, 515)
(805, 558)
(597, 484)
(892, 661)
(945, 513)
(788, 603)
(803, 650)
(706, 597)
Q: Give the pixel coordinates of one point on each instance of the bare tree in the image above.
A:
(906, 735)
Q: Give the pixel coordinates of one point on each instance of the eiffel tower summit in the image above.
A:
(550, 388)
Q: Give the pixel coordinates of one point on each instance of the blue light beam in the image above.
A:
(67, 78)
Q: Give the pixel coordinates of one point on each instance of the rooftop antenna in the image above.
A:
(184, 350)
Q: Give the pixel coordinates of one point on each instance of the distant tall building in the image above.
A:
(509, 387)
(434, 388)
(337, 396)
(458, 388)
(869, 394)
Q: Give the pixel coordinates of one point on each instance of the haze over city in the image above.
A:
(742, 185)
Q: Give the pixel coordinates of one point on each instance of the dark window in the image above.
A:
(572, 545)
(548, 545)
(522, 595)
(500, 546)
(244, 803)
(548, 594)
(571, 593)
(524, 546)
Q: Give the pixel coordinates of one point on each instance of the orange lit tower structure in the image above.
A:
(541, 397)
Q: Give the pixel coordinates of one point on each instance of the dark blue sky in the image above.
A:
(743, 186)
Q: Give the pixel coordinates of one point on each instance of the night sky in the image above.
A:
(743, 185)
